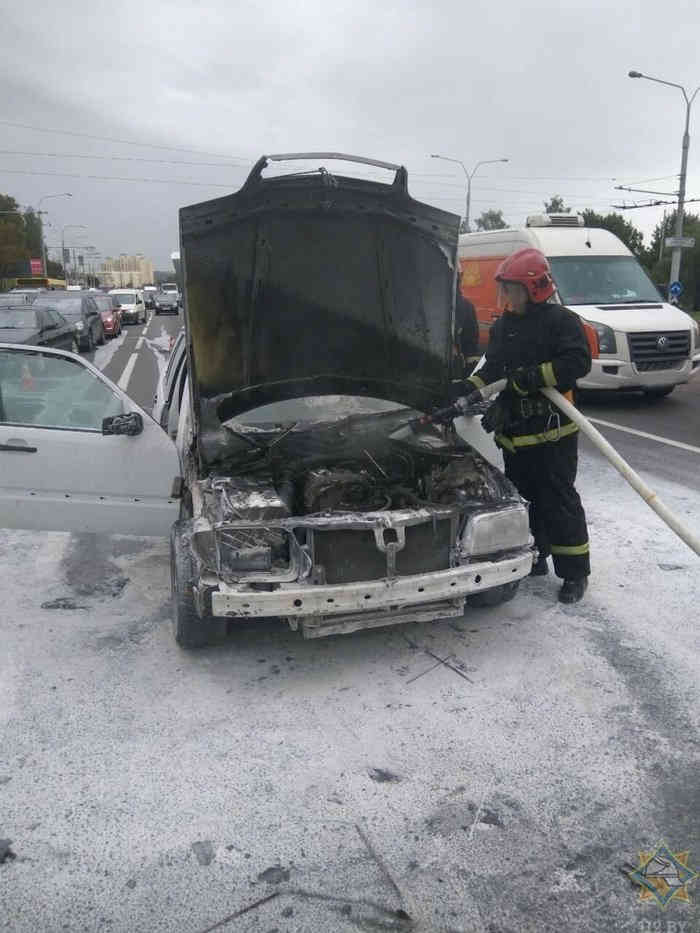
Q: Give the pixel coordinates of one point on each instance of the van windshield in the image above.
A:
(596, 280)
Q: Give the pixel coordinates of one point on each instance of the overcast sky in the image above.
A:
(542, 83)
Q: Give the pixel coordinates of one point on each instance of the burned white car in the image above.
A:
(319, 317)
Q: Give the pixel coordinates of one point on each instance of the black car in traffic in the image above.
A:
(40, 327)
(81, 311)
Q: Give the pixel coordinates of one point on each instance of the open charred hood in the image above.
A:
(315, 284)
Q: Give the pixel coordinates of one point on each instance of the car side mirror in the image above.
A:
(131, 424)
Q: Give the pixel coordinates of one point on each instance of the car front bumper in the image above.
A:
(618, 373)
(239, 601)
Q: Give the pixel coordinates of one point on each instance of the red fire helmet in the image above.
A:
(528, 267)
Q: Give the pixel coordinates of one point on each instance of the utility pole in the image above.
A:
(63, 194)
(676, 254)
(63, 245)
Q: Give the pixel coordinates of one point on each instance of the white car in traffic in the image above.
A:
(133, 307)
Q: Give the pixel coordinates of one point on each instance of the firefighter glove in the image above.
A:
(526, 380)
(495, 418)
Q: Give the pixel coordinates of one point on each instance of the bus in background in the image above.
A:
(36, 281)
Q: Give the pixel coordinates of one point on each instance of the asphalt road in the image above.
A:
(498, 773)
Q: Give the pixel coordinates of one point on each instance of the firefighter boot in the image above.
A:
(540, 568)
(572, 590)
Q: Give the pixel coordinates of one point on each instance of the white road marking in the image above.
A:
(644, 434)
(128, 370)
(139, 343)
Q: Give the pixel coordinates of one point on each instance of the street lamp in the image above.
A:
(63, 194)
(469, 176)
(676, 253)
(63, 244)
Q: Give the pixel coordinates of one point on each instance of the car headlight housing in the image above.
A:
(606, 337)
(491, 532)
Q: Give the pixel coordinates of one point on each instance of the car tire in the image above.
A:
(90, 341)
(102, 339)
(653, 395)
(143, 317)
(189, 629)
(495, 596)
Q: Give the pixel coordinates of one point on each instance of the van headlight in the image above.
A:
(695, 329)
(606, 337)
(490, 532)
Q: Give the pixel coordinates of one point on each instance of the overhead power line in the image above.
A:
(116, 158)
(631, 207)
(150, 181)
(124, 142)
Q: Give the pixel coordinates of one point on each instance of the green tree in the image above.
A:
(490, 220)
(555, 205)
(13, 247)
(33, 233)
(54, 269)
(623, 229)
(660, 269)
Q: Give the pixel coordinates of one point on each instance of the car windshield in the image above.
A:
(13, 318)
(594, 280)
(125, 298)
(68, 307)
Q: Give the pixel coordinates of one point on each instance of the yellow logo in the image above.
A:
(663, 876)
(471, 274)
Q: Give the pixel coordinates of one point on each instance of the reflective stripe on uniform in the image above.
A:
(477, 381)
(530, 440)
(548, 376)
(574, 550)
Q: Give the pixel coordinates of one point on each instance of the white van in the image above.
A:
(645, 343)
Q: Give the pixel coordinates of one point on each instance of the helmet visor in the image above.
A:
(510, 295)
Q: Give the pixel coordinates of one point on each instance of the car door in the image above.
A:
(58, 471)
(65, 332)
(49, 331)
(91, 314)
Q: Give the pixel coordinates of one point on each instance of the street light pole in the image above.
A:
(468, 175)
(63, 194)
(676, 253)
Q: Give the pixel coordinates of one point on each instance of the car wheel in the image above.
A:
(90, 341)
(101, 339)
(653, 395)
(189, 630)
(75, 346)
(494, 596)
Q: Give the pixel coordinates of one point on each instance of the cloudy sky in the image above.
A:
(166, 104)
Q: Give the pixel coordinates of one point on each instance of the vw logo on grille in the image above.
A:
(662, 343)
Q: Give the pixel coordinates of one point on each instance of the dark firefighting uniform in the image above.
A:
(540, 443)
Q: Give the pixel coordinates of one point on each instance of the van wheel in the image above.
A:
(495, 596)
(189, 630)
(652, 395)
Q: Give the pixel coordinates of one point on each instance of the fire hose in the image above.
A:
(609, 452)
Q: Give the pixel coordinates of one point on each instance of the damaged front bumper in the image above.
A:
(293, 600)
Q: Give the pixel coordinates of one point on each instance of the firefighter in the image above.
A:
(466, 348)
(535, 343)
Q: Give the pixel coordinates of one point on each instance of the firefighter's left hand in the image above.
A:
(525, 381)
